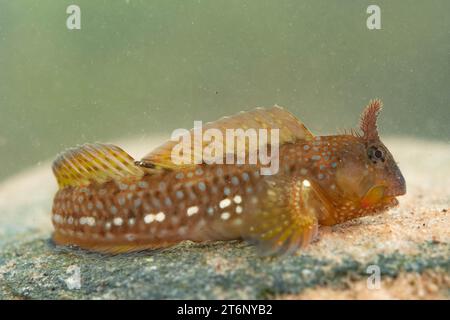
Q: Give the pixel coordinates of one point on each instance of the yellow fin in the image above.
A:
(108, 247)
(93, 163)
(373, 196)
(290, 130)
(286, 220)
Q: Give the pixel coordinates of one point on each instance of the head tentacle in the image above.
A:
(368, 122)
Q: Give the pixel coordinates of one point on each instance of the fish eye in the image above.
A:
(375, 154)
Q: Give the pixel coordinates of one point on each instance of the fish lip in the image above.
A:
(397, 190)
(396, 193)
(394, 187)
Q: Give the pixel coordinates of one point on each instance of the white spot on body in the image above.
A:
(90, 221)
(224, 203)
(160, 216)
(192, 210)
(118, 221)
(225, 216)
(149, 218)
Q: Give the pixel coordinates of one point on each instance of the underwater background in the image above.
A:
(140, 68)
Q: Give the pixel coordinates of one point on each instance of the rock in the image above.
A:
(409, 244)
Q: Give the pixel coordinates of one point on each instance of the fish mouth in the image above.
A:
(397, 187)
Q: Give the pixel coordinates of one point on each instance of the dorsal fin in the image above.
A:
(290, 130)
(96, 162)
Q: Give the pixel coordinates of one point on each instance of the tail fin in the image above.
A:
(96, 162)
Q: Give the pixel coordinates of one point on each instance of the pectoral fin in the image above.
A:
(286, 221)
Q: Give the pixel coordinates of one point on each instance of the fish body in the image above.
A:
(108, 202)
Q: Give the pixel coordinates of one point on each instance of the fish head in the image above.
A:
(384, 170)
(367, 171)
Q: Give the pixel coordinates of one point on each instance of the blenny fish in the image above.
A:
(111, 203)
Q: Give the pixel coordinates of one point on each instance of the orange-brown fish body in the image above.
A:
(107, 202)
(156, 210)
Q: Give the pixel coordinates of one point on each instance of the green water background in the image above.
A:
(147, 67)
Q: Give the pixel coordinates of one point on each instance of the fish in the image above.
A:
(109, 202)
